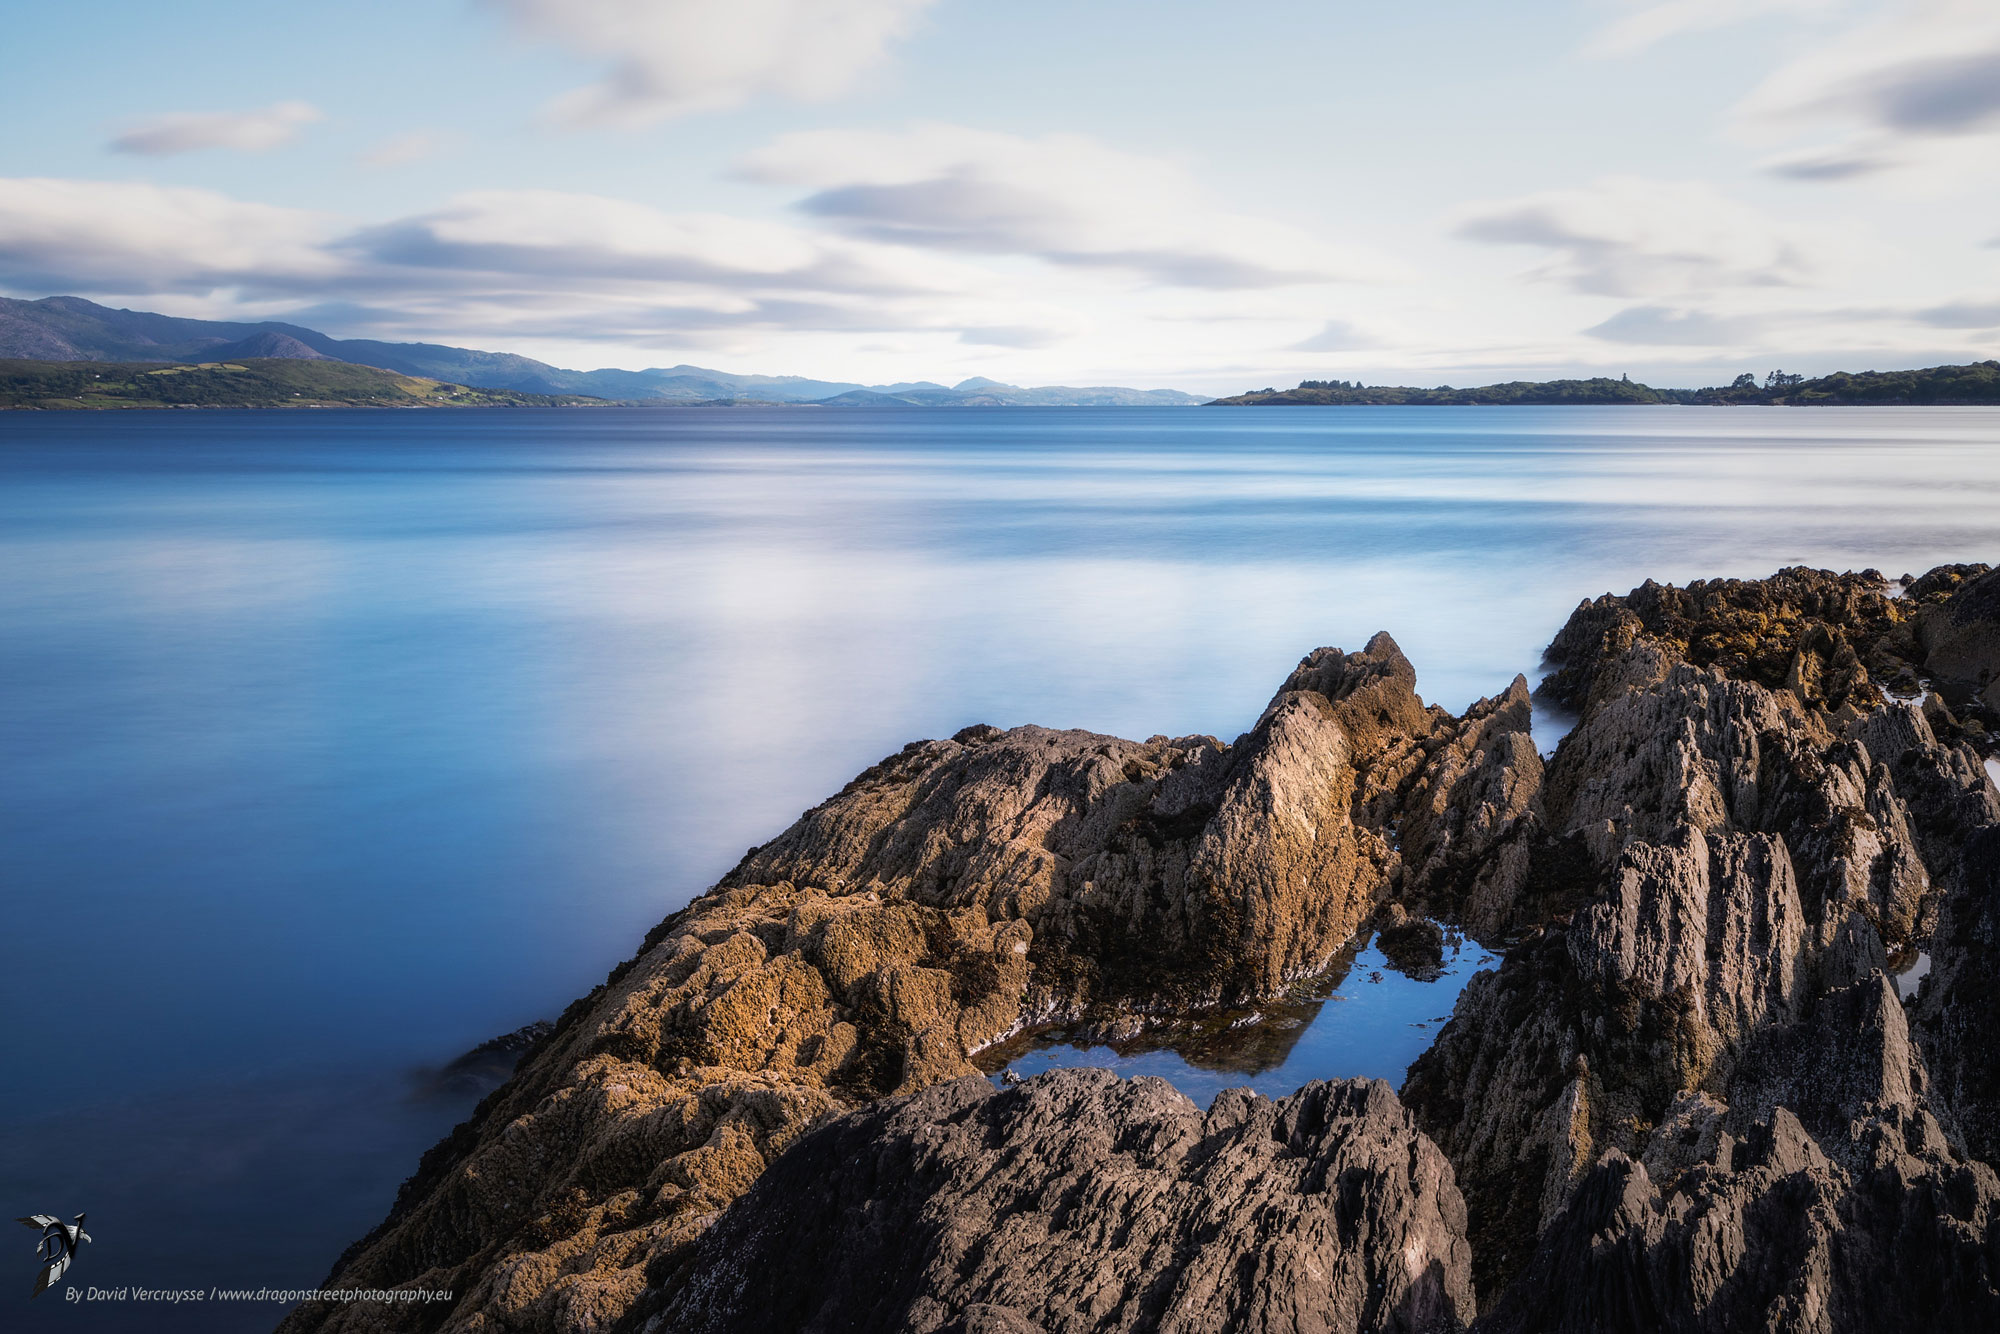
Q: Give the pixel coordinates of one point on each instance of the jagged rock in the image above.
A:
(1469, 823)
(1077, 1202)
(1851, 1215)
(1740, 825)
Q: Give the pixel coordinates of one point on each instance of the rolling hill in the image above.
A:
(248, 382)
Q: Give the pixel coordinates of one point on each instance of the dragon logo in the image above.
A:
(57, 1248)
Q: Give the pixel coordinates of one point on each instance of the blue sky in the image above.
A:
(1203, 195)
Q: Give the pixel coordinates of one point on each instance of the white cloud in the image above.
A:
(1668, 326)
(66, 235)
(1064, 199)
(1651, 21)
(245, 131)
(1893, 90)
(672, 57)
(1335, 336)
(1632, 237)
(530, 262)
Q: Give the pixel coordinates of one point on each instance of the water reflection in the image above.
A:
(1361, 1017)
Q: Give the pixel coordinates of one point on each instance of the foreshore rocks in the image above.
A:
(1752, 826)
(1689, 1098)
(953, 894)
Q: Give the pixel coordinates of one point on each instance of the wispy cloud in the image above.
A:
(1335, 336)
(1632, 237)
(1667, 326)
(1919, 77)
(1063, 199)
(672, 57)
(400, 150)
(1651, 21)
(97, 236)
(535, 263)
(252, 131)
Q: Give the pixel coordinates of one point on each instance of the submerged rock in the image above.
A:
(1078, 1202)
(1412, 945)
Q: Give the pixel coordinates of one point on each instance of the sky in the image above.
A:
(1208, 196)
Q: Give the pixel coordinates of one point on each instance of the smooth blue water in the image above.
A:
(1366, 1020)
(338, 741)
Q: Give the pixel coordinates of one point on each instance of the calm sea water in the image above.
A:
(338, 741)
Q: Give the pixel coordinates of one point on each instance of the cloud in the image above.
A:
(65, 235)
(1063, 199)
(1925, 73)
(245, 131)
(673, 57)
(1961, 315)
(1665, 326)
(1657, 20)
(1626, 236)
(527, 263)
(399, 150)
(1335, 336)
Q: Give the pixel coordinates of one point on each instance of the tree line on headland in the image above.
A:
(1976, 384)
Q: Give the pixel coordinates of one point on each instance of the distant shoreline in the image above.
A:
(1974, 385)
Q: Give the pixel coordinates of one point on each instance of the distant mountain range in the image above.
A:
(69, 328)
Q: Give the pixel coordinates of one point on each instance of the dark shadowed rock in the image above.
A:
(1854, 1214)
(1961, 639)
(1957, 1014)
(1077, 1202)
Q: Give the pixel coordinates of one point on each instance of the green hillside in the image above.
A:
(253, 382)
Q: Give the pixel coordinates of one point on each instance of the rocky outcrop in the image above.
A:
(1076, 1202)
(1745, 826)
(949, 896)
(1689, 1098)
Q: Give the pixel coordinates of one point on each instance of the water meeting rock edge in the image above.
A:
(1689, 1097)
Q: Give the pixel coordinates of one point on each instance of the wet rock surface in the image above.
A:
(1077, 1202)
(1689, 1097)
